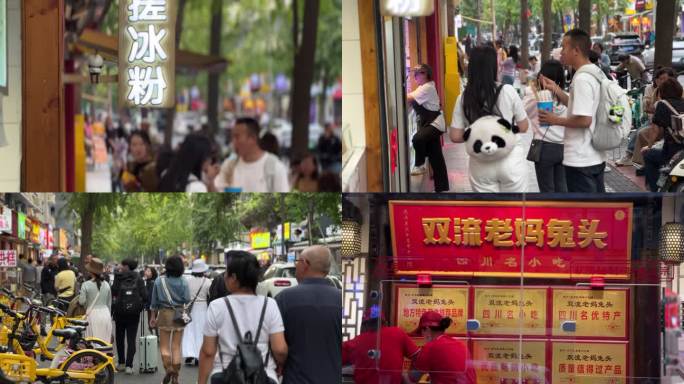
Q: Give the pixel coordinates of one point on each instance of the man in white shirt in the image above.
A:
(253, 169)
(584, 165)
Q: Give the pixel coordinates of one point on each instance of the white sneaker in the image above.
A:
(418, 170)
(129, 370)
(637, 165)
(120, 367)
(625, 160)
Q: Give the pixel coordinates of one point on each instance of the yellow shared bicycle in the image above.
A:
(78, 362)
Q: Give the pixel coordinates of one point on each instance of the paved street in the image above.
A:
(188, 373)
(457, 167)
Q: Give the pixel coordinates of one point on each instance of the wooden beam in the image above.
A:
(371, 99)
(43, 136)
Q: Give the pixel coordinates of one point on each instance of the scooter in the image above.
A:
(672, 175)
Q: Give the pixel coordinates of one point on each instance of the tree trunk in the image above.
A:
(585, 15)
(599, 24)
(478, 16)
(525, 31)
(325, 83)
(87, 217)
(215, 78)
(303, 78)
(171, 112)
(664, 28)
(548, 19)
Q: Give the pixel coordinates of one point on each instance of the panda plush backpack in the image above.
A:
(490, 138)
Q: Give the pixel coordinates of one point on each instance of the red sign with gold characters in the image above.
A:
(487, 238)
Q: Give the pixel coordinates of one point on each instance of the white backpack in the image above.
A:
(614, 113)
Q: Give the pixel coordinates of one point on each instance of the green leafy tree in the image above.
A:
(90, 207)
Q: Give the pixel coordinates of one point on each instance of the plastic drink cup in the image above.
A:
(546, 106)
(232, 190)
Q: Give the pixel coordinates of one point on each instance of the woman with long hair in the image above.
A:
(193, 168)
(549, 167)
(96, 297)
(306, 177)
(246, 308)
(483, 96)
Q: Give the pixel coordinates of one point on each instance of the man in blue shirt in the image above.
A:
(312, 315)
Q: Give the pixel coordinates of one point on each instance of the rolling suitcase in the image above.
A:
(148, 349)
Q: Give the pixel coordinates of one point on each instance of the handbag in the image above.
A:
(180, 313)
(534, 154)
(75, 308)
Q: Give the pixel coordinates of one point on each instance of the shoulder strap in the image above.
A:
(166, 291)
(667, 103)
(90, 308)
(496, 99)
(198, 292)
(232, 317)
(261, 320)
(598, 74)
(269, 171)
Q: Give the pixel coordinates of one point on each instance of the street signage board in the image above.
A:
(8, 258)
(412, 301)
(147, 53)
(5, 219)
(486, 238)
(407, 8)
(21, 225)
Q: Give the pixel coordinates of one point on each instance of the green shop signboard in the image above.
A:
(21, 225)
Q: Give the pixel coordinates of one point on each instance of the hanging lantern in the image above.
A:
(671, 249)
(351, 230)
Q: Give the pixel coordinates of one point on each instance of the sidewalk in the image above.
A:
(622, 180)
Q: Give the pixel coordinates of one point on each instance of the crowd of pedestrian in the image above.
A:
(255, 162)
(563, 152)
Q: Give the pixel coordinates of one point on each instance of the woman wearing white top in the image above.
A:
(549, 169)
(241, 277)
(198, 285)
(96, 297)
(431, 125)
(480, 99)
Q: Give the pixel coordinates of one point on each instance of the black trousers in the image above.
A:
(427, 143)
(126, 332)
(586, 179)
(550, 170)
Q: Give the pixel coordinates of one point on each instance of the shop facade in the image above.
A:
(540, 290)
(385, 43)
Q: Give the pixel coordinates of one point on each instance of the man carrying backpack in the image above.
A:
(129, 296)
(583, 158)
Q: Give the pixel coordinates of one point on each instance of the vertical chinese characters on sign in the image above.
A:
(147, 53)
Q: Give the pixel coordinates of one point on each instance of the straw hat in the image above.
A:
(95, 266)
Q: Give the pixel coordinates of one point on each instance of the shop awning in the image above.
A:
(108, 47)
